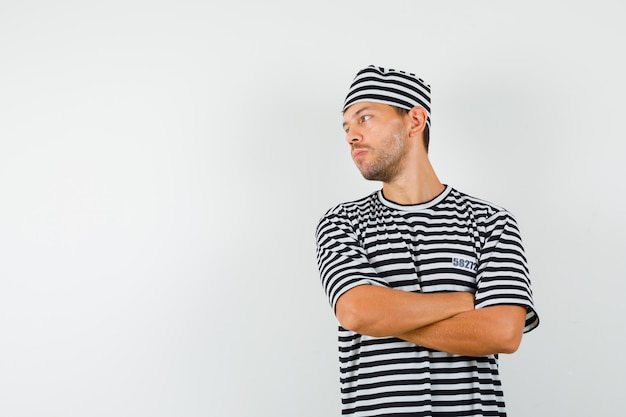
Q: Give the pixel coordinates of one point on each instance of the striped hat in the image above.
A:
(389, 86)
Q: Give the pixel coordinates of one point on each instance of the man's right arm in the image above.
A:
(381, 311)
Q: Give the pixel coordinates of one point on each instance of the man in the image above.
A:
(428, 284)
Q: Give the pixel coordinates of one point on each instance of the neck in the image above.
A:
(415, 185)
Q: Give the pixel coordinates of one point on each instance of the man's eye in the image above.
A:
(364, 118)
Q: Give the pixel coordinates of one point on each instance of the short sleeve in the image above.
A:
(503, 276)
(341, 260)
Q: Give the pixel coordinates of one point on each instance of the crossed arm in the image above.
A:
(442, 321)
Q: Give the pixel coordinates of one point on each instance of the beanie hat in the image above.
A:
(389, 86)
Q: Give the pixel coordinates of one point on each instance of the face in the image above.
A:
(377, 137)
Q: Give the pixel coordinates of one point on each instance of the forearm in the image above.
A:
(480, 332)
(381, 311)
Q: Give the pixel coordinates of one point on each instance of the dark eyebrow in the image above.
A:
(356, 114)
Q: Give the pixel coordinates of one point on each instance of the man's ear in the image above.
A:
(418, 117)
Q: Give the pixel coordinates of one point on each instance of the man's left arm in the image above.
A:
(484, 331)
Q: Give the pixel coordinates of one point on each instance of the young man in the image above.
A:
(428, 284)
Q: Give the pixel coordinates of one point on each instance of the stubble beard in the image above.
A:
(387, 163)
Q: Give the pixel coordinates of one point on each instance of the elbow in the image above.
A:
(510, 341)
(510, 328)
(361, 310)
(348, 316)
(499, 343)
(354, 317)
(509, 348)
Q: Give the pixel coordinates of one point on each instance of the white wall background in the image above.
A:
(163, 165)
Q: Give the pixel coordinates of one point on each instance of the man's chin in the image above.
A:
(370, 176)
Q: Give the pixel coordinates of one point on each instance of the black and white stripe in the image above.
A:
(452, 243)
(389, 86)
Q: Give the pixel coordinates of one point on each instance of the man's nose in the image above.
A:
(353, 135)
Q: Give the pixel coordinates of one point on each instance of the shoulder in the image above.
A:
(479, 207)
(352, 208)
(347, 215)
(490, 218)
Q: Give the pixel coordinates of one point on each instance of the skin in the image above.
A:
(388, 147)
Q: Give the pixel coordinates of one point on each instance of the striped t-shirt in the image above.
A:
(453, 243)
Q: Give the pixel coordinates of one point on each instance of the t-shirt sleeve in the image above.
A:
(341, 259)
(503, 276)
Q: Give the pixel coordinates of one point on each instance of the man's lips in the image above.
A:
(358, 152)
